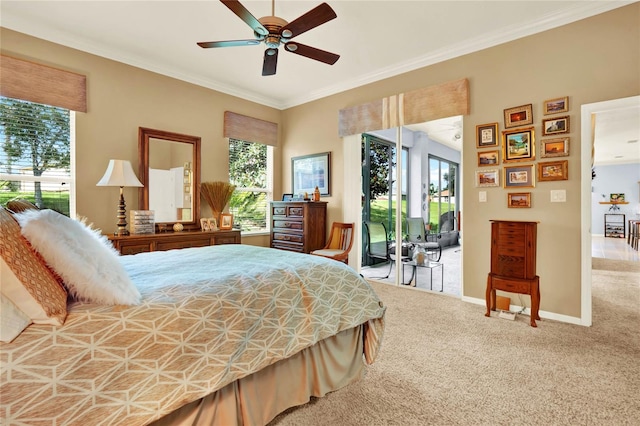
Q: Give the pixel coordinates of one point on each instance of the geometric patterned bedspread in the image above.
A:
(208, 316)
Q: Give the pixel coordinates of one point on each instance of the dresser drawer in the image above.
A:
(170, 245)
(510, 266)
(512, 286)
(284, 245)
(226, 239)
(293, 238)
(135, 248)
(288, 224)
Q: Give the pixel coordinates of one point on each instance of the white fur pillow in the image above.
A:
(84, 259)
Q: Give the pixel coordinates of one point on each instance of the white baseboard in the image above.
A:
(543, 314)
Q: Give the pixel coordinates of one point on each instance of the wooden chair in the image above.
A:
(340, 243)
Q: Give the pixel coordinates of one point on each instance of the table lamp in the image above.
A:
(120, 173)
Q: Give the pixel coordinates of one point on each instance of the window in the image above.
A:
(443, 197)
(37, 154)
(251, 171)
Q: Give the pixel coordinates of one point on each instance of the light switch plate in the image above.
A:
(482, 196)
(558, 196)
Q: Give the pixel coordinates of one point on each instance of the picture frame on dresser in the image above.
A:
(309, 171)
(226, 221)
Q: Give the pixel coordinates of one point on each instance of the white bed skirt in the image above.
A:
(258, 398)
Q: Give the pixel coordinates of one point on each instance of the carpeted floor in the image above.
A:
(444, 363)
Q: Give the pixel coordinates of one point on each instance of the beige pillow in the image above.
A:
(26, 280)
(12, 320)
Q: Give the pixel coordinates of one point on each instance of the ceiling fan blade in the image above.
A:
(228, 43)
(312, 52)
(317, 16)
(270, 62)
(236, 7)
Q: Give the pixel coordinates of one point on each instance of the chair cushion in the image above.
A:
(328, 252)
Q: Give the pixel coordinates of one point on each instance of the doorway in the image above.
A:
(589, 117)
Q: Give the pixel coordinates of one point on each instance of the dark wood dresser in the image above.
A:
(513, 263)
(298, 226)
(141, 243)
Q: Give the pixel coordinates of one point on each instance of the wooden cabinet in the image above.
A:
(298, 226)
(132, 244)
(614, 225)
(513, 263)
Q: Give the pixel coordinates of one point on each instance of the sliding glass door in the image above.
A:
(379, 188)
(444, 201)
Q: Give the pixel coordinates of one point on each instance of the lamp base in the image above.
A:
(122, 217)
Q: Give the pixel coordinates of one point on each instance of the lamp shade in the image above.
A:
(119, 173)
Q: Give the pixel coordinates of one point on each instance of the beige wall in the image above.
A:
(122, 98)
(592, 60)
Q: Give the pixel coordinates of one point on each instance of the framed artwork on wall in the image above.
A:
(558, 147)
(519, 176)
(553, 170)
(487, 135)
(554, 106)
(488, 158)
(518, 116)
(518, 145)
(309, 171)
(486, 178)
(519, 200)
(555, 125)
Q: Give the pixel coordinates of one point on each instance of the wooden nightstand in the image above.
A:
(142, 243)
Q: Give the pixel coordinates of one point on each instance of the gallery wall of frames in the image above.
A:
(515, 149)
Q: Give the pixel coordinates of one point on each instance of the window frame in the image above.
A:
(268, 189)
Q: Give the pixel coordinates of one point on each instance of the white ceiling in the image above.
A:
(375, 39)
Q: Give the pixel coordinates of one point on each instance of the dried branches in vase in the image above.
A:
(217, 195)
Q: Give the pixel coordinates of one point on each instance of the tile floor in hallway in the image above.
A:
(613, 248)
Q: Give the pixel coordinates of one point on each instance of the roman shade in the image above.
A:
(418, 106)
(249, 129)
(42, 84)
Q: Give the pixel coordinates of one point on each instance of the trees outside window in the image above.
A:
(250, 170)
(35, 159)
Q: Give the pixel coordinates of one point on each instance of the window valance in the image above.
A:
(34, 82)
(249, 129)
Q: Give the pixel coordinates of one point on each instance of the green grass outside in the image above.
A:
(53, 200)
(379, 213)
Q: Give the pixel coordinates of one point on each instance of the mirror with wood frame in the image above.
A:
(170, 172)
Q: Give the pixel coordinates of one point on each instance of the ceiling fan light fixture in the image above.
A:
(271, 52)
(291, 47)
(287, 34)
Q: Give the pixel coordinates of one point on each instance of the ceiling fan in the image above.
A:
(274, 31)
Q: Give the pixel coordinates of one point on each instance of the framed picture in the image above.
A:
(519, 199)
(554, 106)
(553, 170)
(310, 171)
(616, 198)
(287, 197)
(554, 147)
(519, 176)
(208, 224)
(518, 145)
(487, 178)
(488, 158)
(226, 221)
(518, 116)
(555, 125)
(487, 135)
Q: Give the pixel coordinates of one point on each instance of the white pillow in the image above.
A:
(84, 259)
(12, 320)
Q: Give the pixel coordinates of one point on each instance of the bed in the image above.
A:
(229, 335)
